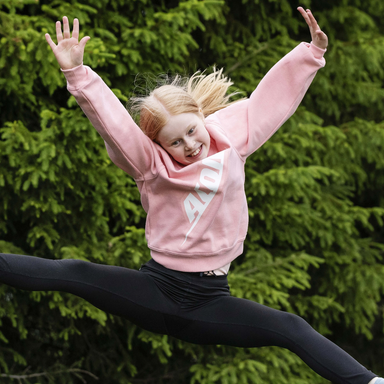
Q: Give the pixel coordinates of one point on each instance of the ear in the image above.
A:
(201, 114)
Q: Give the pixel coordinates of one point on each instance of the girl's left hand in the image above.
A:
(319, 38)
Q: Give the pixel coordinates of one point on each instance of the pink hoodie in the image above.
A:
(197, 215)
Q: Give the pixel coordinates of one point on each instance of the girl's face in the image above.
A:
(185, 138)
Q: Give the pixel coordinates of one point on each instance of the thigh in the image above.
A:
(120, 291)
(116, 290)
(238, 322)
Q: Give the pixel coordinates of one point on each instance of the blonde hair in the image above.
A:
(199, 93)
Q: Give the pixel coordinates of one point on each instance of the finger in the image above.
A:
(59, 34)
(301, 10)
(67, 32)
(312, 20)
(75, 32)
(304, 14)
(50, 42)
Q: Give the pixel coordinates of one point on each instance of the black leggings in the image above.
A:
(194, 308)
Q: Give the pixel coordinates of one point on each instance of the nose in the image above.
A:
(189, 143)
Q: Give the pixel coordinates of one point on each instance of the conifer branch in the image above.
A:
(169, 375)
(246, 58)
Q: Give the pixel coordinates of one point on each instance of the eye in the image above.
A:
(191, 130)
(175, 143)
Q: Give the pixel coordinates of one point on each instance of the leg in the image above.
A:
(120, 291)
(244, 323)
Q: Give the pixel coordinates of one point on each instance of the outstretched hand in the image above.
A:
(69, 51)
(319, 38)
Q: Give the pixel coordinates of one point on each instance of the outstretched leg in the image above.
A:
(117, 290)
(244, 323)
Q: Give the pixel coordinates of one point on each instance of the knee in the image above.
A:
(4, 267)
(73, 265)
(295, 326)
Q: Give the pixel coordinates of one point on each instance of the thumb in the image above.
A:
(84, 41)
(49, 41)
(320, 33)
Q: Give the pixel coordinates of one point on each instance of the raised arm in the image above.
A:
(250, 123)
(126, 144)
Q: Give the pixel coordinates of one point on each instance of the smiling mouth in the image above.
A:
(195, 153)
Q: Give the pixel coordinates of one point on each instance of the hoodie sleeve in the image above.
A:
(128, 147)
(250, 123)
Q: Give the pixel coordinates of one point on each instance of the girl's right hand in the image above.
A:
(69, 51)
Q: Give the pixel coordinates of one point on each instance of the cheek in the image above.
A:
(176, 152)
(207, 138)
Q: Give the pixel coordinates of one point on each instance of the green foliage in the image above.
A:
(315, 190)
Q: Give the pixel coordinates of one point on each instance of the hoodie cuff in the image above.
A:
(76, 77)
(318, 53)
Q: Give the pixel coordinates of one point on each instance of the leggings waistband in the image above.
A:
(213, 273)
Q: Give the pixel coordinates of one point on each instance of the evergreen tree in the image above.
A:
(315, 190)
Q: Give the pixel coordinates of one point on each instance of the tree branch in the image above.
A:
(246, 58)
(71, 370)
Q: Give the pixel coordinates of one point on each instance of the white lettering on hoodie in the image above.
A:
(210, 177)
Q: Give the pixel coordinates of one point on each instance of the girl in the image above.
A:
(187, 159)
